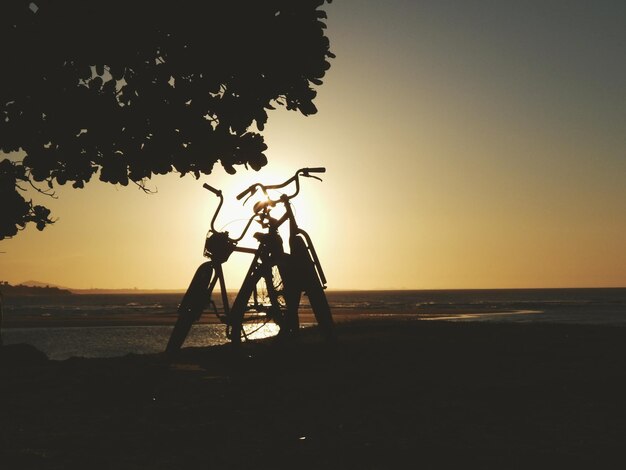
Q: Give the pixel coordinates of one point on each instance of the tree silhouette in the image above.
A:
(129, 89)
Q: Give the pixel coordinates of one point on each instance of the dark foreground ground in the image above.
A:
(401, 394)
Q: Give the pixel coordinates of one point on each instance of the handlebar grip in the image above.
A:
(244, 192)
(319, 169)
(217, 192)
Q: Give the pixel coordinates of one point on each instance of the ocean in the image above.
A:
(580, 306)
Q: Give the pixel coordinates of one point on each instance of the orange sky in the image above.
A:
(466, 147)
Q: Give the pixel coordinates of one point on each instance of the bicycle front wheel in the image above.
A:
(191, 307)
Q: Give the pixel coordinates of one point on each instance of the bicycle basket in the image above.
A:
(218, 247)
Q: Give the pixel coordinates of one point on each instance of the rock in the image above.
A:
(21, 355)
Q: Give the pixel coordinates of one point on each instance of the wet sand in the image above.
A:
(394, 393)
(165, 319)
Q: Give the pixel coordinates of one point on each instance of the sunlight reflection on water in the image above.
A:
(265, 331)
(112, 341)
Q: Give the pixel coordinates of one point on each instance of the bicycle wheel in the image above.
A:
(192, 305)
(267, 306)
(319, 304)
(260, 305)
(311, 285)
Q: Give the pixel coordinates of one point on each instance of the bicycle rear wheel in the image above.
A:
(311, 285)
(192, 305)
(261, 307)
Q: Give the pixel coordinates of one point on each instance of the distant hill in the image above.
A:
(42, 284)
(21, 290)
(97, 290)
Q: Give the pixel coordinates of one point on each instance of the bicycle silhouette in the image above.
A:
(273, 286)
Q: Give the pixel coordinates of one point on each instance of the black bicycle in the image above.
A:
(273, 286)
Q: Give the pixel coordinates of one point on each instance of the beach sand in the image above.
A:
(394, 394)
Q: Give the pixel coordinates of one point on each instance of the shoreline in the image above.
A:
(306, 316)
(161, 319)
(495, 384)
(438, 394)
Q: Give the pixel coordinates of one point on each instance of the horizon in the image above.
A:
(33, 283)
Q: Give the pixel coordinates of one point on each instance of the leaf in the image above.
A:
(117, 72)
(109, 87)
(84, 72)
(96, 83)
(307, 108)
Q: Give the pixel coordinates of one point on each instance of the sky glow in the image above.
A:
(467, 144)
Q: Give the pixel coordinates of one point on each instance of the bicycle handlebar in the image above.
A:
(302, 171)
(246, 191)
(253, 188)
(217, 192)
(318, 169)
